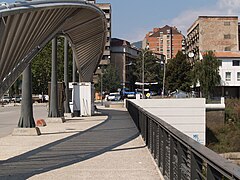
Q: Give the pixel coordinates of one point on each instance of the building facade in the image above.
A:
(166, 40)
(123, 56)
(216, 33)
(229, 71)
(219, 34)
(106, 8)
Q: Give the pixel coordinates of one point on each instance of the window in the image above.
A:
(228, 76)
(226, 23)
(227, 36)
(236, 63)
(227, 48)
(238, 76)
(220, 62)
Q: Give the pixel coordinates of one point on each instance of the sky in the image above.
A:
(132, 19)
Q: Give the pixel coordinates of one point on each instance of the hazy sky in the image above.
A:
(132, 19)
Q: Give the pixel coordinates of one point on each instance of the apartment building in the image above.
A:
(166, 40)
(106, 8)
(221, 35)
(216, 33)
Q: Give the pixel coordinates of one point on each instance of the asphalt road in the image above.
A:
(9, 116)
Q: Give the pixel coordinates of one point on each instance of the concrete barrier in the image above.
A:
(187, 115)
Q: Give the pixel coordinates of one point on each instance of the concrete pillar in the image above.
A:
(66, 102)
(53, 109)
(26, 124)
(26, 119)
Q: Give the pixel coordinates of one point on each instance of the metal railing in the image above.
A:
(177, 155)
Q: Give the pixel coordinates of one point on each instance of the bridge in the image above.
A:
(25, 28)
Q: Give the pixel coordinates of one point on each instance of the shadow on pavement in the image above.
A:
(115, 131)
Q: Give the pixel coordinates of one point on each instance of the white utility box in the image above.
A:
(82, 99)
(86, 99)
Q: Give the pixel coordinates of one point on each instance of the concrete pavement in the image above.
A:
(10, 114)
(107, 146)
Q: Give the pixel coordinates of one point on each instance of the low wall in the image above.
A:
(187, 115)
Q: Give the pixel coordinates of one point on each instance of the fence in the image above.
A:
(177, 155)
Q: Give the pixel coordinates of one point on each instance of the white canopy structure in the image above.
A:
(26, 27)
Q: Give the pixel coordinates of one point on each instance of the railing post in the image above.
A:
(212, 173)
(196, 168)
(155, 140)
(164, 160)
(160, 145)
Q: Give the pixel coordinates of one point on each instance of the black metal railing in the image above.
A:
(177, 155)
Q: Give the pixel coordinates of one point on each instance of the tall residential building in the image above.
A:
(106, 8)
(166, 40)
(216, 33)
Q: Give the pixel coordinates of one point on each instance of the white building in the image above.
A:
(230, 74)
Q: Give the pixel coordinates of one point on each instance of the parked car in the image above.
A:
(179, 94)
(6, 99)
(114, 97)
(17, 99)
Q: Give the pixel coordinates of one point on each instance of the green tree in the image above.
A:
(206, 72)
(153, 72)
(111, 79)
(178, 73)
(41, 67)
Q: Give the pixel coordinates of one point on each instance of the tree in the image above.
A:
(41, 67)
(111, 79)
(206, 72)
(152, 70)
(178, 73)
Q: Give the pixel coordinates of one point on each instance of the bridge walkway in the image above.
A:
(106, 146)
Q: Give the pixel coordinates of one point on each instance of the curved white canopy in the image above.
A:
(26, 27)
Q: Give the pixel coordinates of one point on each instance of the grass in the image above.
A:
(225, 139)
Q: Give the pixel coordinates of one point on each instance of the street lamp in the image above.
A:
(163, 62)
(164, 75)
(143, 56)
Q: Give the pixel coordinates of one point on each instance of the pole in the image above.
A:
(164, 74)
(26, 119)
(143, 75)
(53, 111)
(66, 102)
(101, 78)
(124, 71)
(74, 69)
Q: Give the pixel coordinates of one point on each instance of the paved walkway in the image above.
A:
(98, 147)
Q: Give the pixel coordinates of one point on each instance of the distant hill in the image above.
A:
(137, 44)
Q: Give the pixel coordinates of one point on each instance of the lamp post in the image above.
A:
(143, 57)
(163, 62)
(164, 75)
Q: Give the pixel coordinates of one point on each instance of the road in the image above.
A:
(9, 116)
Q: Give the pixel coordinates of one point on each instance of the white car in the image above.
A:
(114, 97)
